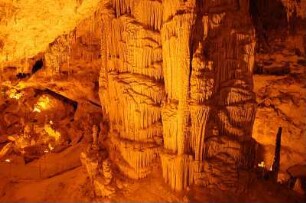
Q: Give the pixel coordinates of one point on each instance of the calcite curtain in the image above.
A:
(176, 88)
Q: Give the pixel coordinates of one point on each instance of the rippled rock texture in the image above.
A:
(176, 83)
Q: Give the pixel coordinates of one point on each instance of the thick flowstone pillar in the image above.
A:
(176, 82)
(131, 90)
(178, 22)
(227, 52)
(208, 54)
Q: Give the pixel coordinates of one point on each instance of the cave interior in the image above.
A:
(153, 100)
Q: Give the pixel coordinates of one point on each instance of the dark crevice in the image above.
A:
(95, 104)
(22, 75)
(195, 37)
(267, 17)
(37, 66)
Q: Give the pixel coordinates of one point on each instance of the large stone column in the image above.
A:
(180, 72)
(226, 53)
(178, 22)
(131, 87)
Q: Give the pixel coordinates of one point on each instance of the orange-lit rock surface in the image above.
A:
(28, 26)
(281, 101)
(182, 72)
(149, 100)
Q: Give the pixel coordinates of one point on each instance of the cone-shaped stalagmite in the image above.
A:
(276, 160)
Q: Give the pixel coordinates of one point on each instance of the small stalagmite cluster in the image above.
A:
(176, 85)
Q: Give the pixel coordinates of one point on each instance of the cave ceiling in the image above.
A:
(28, 26)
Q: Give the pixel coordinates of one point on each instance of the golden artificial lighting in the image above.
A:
(13, 94)
(7, 160)
(261, 164)
(36, 109)
(42, 104)
(22, 151)
(52, 133)
(50, 147)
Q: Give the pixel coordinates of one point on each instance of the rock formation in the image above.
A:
(27, 27)
(158, 90)
(181, 72)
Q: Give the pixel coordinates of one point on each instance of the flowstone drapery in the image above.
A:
(176, 84)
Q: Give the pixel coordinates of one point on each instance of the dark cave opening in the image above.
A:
(267, 16)
(22, 75)
(37, 66)
(270, 15)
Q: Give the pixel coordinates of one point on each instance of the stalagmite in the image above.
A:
(177, 170)
(276, 160)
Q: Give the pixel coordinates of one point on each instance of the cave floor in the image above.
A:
(64, 187)
(72, 186)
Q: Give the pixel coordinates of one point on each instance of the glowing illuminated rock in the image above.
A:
(181, 71)
(25, 26)
(130, 82)
(52, 133)
(6, 150)
(14, 94)
(91, 165)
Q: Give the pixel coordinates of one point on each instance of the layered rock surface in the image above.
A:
(27, 26)
(180, 73)
(281, 102)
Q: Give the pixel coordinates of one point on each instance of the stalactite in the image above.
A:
(138, 157)
(122, 7)
(199, 116)
(242, 115)
(170, 126)
(177, 170)
(153, 15)
(176, 34)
